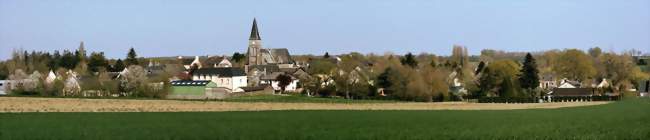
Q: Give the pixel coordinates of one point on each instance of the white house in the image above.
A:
(2, 87)
(271, 79)
(565, 83)
(227, 77)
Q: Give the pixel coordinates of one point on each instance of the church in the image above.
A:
(260, 56)
(264, 65)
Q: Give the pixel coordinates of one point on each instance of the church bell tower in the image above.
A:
(254, 46)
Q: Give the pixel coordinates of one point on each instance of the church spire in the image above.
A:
(255, 35)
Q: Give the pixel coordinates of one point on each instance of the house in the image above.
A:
(71, 85)
(216, 61)
(603, 84)
(199, 89)
(256, 72)
(643, 88)
(228, 77)
(547, 81)
(188, 63)
(565, 83)
(456, 86)
(271, 79)
(50, 78)
(2, 87)
(23, 81)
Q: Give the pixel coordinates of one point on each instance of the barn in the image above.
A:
(201, 89)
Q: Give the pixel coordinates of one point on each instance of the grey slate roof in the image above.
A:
(269, 68)
(223, 72)
(572, 92)
(255, 35)
(211, 61)
(277, 56)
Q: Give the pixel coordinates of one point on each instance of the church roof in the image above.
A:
(278, 55)
(255, 35)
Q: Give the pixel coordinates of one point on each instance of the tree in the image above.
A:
(327, 55)
(479, 68)
(493, 76)
(283, 81)
(595, 52)
(382, 79)
(4, 72)
(131, 58)
(97, 62)
(81, 52)
(621, 70)
(133, 81)
(508, 88)
(238, 57)
(409, 60)
(68, 60)
(574, 65)
(321, 67)
(529, 75)
(118, 66)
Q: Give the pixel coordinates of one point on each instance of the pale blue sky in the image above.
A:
(201, 27)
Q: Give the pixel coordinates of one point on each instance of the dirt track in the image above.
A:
(31, 104)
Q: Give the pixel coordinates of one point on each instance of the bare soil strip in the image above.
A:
(33, 104)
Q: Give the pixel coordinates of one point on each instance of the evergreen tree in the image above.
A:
(382, 79)
(238, 57)
(528, 77)
(327, 55)
(97, 62)
(81, 52)
(479, 68)
(119, 65)
(131, 58)
(409, 60)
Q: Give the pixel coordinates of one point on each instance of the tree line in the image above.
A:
(94, 73)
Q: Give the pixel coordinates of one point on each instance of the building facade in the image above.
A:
(227, 77)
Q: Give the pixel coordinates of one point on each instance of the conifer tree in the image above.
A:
(528, 77)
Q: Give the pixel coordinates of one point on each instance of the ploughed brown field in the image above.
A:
(35, 104)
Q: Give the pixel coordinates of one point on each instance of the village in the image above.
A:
(495, 76)
(322, 69)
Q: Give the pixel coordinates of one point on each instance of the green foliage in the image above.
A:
(626, 119)
(97, 62)
(238, 57)
(327, 55)
(4, 72)
(575, 65)
(118, 66)
(497, 75)
(382, 79)
(479, 68)
(529, 75)
(131, 58)
(321, 67)
(283, 81)
(409, 60)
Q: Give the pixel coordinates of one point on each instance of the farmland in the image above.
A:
(627, 119)
(252, 103)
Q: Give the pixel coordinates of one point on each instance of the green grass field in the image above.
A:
(628, 119)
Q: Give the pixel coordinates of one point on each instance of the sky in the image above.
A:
(222, 27)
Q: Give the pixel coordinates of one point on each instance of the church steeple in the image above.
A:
(255, 35)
